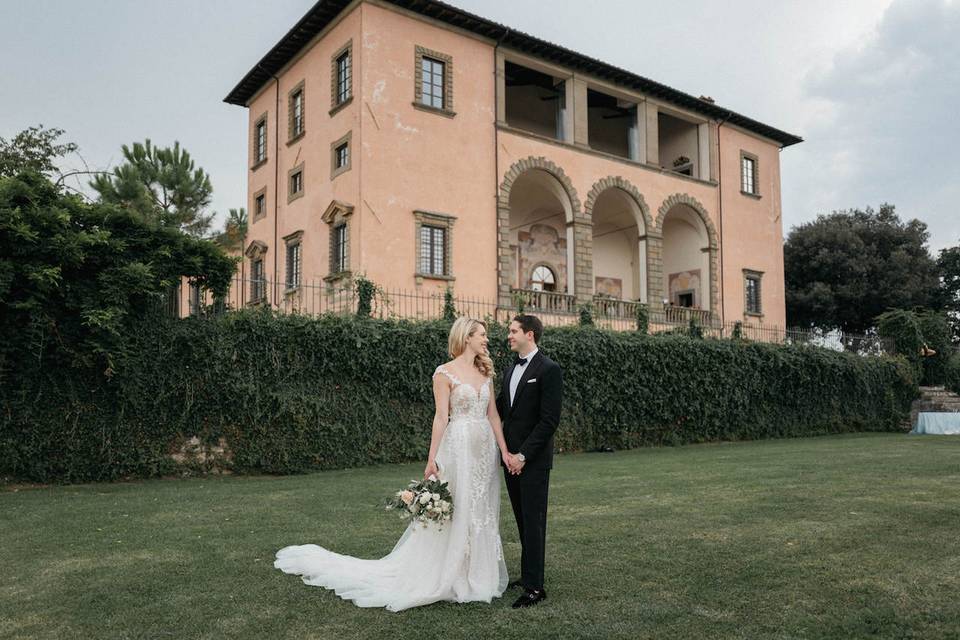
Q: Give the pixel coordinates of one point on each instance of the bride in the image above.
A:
(463, 560)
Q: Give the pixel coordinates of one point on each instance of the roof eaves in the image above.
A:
(324, 11)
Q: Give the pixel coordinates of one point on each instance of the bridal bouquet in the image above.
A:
(423, 501)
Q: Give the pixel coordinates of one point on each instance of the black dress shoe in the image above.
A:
(530, 598)
(513, 584)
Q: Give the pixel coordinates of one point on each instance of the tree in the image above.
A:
(949, 295)
(160, 183)
(75, 276)
(234, 230)
(33, 149)
(843, 270)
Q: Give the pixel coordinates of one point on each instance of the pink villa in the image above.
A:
(426, 147)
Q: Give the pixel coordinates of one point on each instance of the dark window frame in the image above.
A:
(749, 174)
(338, 257)
(752, 292)
(341, 77)
(296, 112)
(296, 177)
(441, 80)
(260, 140)
(258, 281)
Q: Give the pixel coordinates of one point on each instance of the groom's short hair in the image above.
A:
(530, 323)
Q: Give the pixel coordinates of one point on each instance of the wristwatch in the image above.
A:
(521, 457)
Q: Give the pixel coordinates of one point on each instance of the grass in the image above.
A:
(832, 537)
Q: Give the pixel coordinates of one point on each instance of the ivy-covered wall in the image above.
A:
(289, 393)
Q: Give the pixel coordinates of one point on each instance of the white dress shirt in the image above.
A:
(518, 373)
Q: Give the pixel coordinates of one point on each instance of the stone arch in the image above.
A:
(522, 166)
(618, 182)
(640, 285)
(693, 203)
(656, 250)
(582, 278)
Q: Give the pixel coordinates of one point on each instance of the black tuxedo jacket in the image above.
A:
(529, 425)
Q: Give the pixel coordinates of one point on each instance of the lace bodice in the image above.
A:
(460, 562)
(466, 401)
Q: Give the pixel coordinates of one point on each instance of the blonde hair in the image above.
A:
(464, 327)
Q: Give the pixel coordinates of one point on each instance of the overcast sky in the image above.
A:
(871, 85)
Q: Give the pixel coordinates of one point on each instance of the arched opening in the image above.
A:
(540, 240)
(619, 247)
(686, 264)
(543, 279)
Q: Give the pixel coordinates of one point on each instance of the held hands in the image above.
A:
(514, 466)
(431, 469)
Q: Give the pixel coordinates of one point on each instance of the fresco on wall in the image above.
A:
(612, 287)
(684, 281)
(541, 243)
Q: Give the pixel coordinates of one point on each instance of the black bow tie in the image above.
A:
(520, 362)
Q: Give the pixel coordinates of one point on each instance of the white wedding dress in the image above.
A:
(460, 562)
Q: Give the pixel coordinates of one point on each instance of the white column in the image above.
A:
(703, 150)
(640, 127)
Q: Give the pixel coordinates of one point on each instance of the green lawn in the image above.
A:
(833, 537)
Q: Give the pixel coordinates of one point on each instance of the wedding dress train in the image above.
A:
(460, 562)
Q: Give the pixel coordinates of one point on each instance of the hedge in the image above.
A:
(289, 394)
(952, 373)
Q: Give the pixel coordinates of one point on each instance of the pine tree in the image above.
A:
(161, 184)
(234, 230)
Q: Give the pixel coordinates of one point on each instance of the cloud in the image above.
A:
(887, 129)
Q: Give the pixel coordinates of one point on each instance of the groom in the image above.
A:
(529, 406)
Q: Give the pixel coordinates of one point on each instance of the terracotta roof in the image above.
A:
(324, 12)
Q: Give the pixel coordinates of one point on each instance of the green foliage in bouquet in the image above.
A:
(423, 501)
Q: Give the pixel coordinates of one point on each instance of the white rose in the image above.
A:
(436, 496)
(425, 498)
(445, 507)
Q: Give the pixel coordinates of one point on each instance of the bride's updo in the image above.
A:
(463, 328)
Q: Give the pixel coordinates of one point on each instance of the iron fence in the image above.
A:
(554, 310)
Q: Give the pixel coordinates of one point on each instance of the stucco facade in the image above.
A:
(533, 176)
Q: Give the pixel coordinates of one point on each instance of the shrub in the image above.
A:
(643, 319)
(586, 314)
(910, 331)
(290, 393)
(951, 378)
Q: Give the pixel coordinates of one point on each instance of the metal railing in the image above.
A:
(554, 310)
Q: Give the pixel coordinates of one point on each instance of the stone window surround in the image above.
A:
(254, 139)
(289, 240)
(433, 219)
(291, 136)
(334, 169)
(291, 196)
(756, 174)
(257, 251)
(447, 60)
(262, 193)
(338, 213)
(753, 274)
(334, 105)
